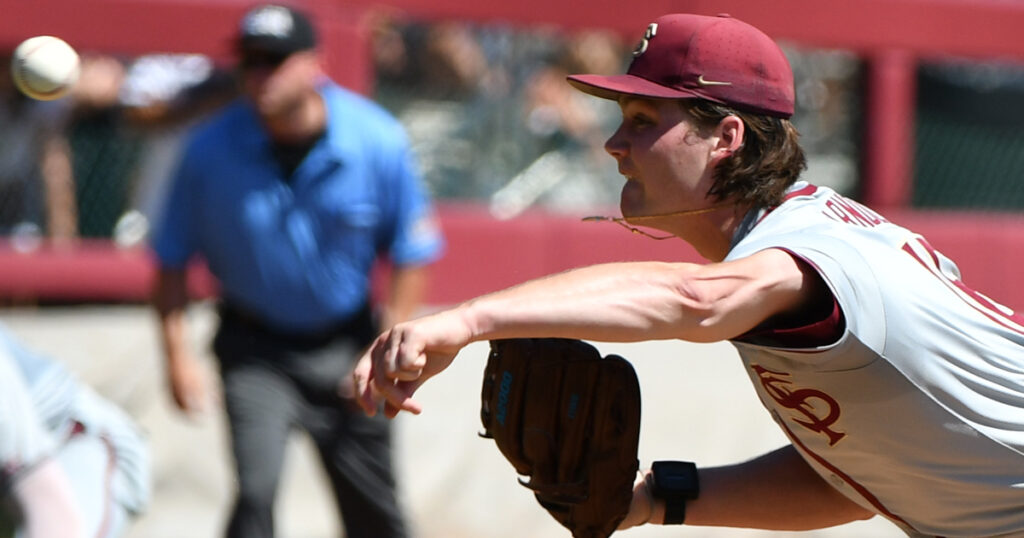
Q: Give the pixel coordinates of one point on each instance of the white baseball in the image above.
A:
(44, 67)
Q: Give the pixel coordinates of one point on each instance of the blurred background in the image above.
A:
(912, 106)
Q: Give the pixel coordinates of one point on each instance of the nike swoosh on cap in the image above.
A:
(702, 82)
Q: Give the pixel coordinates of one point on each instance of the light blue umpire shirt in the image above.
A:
(298, 251)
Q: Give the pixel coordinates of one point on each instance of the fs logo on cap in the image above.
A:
(641, 47)
(273, 21)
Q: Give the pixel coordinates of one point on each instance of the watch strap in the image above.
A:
(675, 511)
(675, 483)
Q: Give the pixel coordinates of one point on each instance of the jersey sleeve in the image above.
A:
(415, 236)
(24, 441)
(850, 277)
(174, 240)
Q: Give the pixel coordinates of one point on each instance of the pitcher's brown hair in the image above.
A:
(766, 164)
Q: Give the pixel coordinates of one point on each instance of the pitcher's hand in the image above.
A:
(401, 359)
(642, 508)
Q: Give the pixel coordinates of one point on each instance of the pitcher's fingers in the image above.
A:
(391, 410)
(386, 358)
(397, 398)
(410, 357)
(408, 375)
(364, 394)
(409, 404)
(389, 382)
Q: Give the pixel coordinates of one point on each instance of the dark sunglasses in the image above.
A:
(262, 60)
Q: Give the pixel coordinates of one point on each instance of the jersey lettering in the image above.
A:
(850, 212)
(802, 401)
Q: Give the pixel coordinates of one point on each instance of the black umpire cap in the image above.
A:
(275, 30)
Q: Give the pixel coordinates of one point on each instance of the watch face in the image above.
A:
(675, 482)
(675, 478)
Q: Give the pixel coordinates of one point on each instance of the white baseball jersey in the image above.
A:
(44, 410)
(910, 398)
(24, 438)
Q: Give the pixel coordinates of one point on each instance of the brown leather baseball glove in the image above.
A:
(570, 421)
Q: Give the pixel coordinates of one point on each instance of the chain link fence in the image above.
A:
(969, 142)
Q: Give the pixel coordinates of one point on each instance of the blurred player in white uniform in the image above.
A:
(72, 464)
(900, 388)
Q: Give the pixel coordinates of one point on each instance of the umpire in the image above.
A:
(289, 194)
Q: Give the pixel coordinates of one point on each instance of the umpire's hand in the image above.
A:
(189, 385)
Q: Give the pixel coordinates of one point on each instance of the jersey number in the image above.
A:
(943, 268)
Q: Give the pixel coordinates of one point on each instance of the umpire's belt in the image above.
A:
(358, 322)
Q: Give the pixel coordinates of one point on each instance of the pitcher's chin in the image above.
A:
(631, 200)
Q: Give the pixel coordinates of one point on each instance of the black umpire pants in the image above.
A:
(275, 382)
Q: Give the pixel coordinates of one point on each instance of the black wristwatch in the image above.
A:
(675, 482)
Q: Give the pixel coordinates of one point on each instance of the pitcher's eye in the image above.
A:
(641, 120)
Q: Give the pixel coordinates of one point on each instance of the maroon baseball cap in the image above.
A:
(721, 59)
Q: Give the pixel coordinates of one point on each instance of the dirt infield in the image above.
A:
(697, 405)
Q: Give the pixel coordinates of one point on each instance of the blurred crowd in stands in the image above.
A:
(92, 164)
(487, 107)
